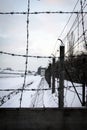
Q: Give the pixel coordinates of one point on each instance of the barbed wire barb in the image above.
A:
(26, 62)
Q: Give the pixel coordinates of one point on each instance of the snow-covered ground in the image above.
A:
(35, 97)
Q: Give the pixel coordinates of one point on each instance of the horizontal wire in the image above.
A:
(24, 89)
(12, 73)
(36, 89)
(12, 54)
(50, 57)
(43, 12)
(5, 98)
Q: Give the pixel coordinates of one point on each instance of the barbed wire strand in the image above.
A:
(26, 63)
(83, 24)
(83, 34)
(74, 28)
(31, 56)
(84, 6)
(5, 98)
(42, 12)
(73, 23)
(65, 25)
(78, 29)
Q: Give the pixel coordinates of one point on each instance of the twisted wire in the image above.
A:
(42, 12)
(26, 62)
(31, 56)
(83, 24)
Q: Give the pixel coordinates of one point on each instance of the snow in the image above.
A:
(36, 99)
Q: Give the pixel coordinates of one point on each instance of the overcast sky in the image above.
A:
(44, 30)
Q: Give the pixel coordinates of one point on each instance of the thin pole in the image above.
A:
(53, 76)
(61, 78)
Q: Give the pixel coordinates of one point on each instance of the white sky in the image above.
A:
(44, 30)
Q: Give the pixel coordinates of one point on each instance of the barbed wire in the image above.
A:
(75, 29)
(73, 26)
(84, 31)
(26, 56)
(26, 62)
(84, 6)
(83, 24)
(5, 98)
(42, 12)
(13, 54)
(31, 56)
(65, 24)
(44, 89)
(38, 89)
(76, 43)
(78, 28)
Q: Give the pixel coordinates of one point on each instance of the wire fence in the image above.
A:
(79, 20)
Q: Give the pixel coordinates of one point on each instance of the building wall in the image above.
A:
(43, 119)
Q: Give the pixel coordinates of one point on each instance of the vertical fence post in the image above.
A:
(61, 78)
(53, 76)
(49, 75)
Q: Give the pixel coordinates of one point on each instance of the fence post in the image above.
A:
(49, 75)
(53, 76)
(61, 78)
